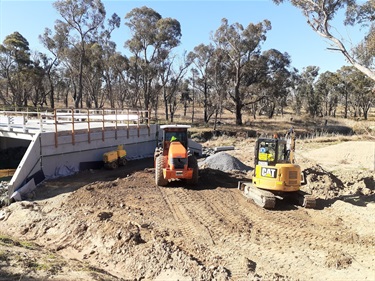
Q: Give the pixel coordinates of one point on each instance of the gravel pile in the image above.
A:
(224, 162)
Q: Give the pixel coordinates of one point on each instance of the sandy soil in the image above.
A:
(117, 225)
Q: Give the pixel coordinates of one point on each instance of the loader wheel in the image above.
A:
(159, 178)
(193, 164)
(122, 161)
(113, 165)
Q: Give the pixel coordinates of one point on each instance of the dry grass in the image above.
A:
(305, 127)
(7, 173)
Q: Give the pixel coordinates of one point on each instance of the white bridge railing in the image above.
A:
(62, 120)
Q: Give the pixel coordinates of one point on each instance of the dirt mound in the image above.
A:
(326, 185)
(224, 162)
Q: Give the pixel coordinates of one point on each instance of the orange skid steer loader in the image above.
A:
(172, 159)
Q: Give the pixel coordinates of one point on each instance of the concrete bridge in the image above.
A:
(65, 141)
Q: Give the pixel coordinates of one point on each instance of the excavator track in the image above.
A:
(262, 198)
(267, 200)
(306, 200)
(299, 198)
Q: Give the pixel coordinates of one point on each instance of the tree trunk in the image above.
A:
(165, 104)
(78, 100)
(238, 114)
(346, 105)
(52, 91)
(365, 114)
(205, 104)
(238, 103)
(271, 111)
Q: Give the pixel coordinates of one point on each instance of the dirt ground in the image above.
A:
(117, 225)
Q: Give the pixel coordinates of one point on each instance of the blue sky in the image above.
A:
(290, 32)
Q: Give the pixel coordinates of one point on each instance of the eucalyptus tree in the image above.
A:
(327, 87)
(93, 76)
(364, 93)
(345, 87)
(320, 15)
(63, 87)
(364, 15)
(135, 81)
(311, 99)
(295, 98)
(117, 81)
(177, 85)
(108, 55)
(202, 58)
(363, 97)
(49, 66)
(219, 85)
(239, 45)
(82, 24)
(357, 90)
(153, 38)
(15, 66)
(53, 45)
(171, 77)
(186, 97)
(38, 80)
(277, 80)
(166, 68)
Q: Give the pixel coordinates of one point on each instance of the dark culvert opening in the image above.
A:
(11, 153)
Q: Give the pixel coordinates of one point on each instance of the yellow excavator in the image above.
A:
(276, 176)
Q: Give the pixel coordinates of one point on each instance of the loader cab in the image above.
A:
(269, 152)
(174, 133)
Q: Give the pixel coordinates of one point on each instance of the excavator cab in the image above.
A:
(269, 152)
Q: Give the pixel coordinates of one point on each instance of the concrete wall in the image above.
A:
(29, 165)
(65, 159)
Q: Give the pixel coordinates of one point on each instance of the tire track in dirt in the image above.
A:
(225, 228)
(222, 231)
(187, 222)
(292, 233)
(235, 232)
(205, 224)
(207, 209)
(262, 240)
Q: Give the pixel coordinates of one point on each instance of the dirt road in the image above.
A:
(128, 228)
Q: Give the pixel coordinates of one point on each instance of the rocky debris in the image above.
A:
(3, 193)
(207, 151)
(224, 162)
(338, 260)
(164, 255)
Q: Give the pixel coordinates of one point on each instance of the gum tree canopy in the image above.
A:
(320, 14)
